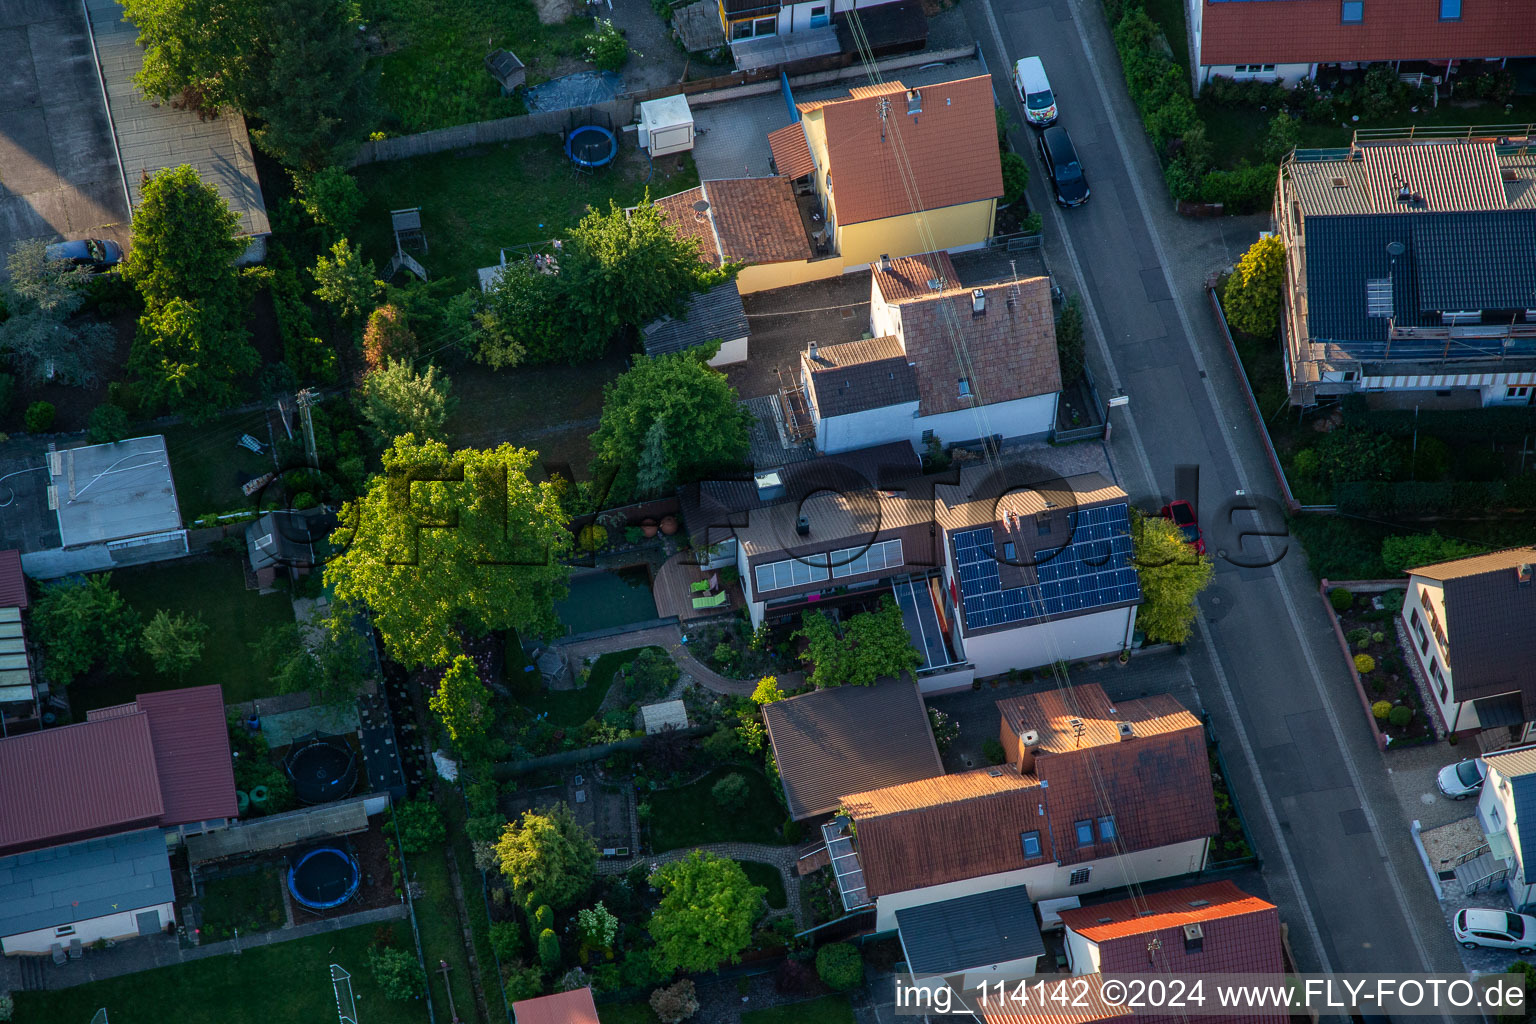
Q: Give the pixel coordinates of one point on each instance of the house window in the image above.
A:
(765, 27)
(1080, 876)
(1031, 844)
(1378, 297)
(1353, 12)
(64, 929)
(927, 436)
(1450, 10)
(1517, 392)
(818, 16)
(741, 30)
(1107, 828)
(1434, 671)
(1085, 833)
(965, 387)
(1418, 628)
(1043, 525)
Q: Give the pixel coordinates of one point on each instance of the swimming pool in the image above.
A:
(605, 599)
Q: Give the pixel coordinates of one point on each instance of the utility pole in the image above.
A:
(306, 398)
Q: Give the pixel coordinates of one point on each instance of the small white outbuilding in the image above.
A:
(666, 125)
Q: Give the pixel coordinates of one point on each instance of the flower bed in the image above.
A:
(1365, 627)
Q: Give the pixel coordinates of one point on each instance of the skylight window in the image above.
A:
(1353, 12)
(1378, 297)
(1450, 10)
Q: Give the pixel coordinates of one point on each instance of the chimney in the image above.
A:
(803, 526)
(1194, 938)
(812, 352)
(885, 262)
(1126, 732)
(914, 101)
(1523, 574)
(978, 302)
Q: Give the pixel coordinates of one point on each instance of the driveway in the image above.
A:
(59, 175)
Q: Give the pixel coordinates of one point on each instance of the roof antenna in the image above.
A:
(884, 109)
(1013, 289)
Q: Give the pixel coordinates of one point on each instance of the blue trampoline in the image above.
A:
(591, 146)
(325, 878)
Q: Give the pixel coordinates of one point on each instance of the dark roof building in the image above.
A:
(287, 539)
(713, 315)
(848, 738)
(13, 582)
(856, 376)
(96, 878)
(950, 937)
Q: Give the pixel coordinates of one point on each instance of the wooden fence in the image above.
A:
(615, 112)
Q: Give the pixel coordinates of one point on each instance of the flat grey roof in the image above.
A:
(153, 137)
(106, 492)
(973, 931)
(81, 881)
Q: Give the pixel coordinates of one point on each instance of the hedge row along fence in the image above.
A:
(1510, 425)
(1160, 89)
(1410, 499)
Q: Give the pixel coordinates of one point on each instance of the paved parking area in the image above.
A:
(59, 176)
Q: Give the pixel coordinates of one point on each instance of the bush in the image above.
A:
(1400, 716)
(549, 950)
(39, 417)
(1410, 552)
(675, 1003)
(7, 1006)
(397, 973)
(1305, 463)
(108, 423)
(651, 674)
(1284, 133)
(1015, 177)
(421, 825)
(1356, 635)
(791, 831)
(606, 46)
(840, 966)
(1392, 601)
(1378, 637)
(387, 336)
(1341, 599)
(1248, 189)
(506, 940)
(1365, 664)
(730, 792)
(1251, 299)
(1381, 710)
(592, 537)
(542, 919)
(992, 750)
(1069, 339)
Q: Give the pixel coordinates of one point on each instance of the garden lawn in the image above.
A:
(213, 588)
(289, 981)
(251, 903)
(475, 201)
(209, 466)
(474, 902)
(689, 816)
(1169, 16)
(826, 1010)
(570, 708)
(441, 937)
(767, 876)
(626, 1013)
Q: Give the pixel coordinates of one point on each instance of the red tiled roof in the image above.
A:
(791, 153)
(913, 277)
(191, 740)
(1197, 904)
(944, 156)
(13, 583)
(749, 220)
(78, 781)
(1309, 31)
(573, 1007)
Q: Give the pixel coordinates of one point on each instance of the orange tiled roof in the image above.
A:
(943, 156)
(912, 277)
(573, 1007)
(1049, 714)
(1084, 1005)
(791, 153)
(749, 220)
(1159, 911)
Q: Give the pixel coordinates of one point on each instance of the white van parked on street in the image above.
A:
(1035, 92)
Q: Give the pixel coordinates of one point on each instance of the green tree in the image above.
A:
(767, 691)
(192, 358)
(185, 242)
(1015, 177)
(1252, 296)
(521, 318)
(606, 46)
(108, 423)
(1400, 554)
(331, 671)
(708, 907)
(398, 400)
(41, 297)
(1171, 575)
(731, 792)
(705, 432)
(39, 417)
(346, 281)
(79, 625)
(174, 643)
(549, 950)
(653, 470)
(332, 199)
(421, 825)
(498, 568)
(869, 646)
(463, 704)
(597, 926)
(388, 336)
(547, 856)
(397, 972)
(1069, 339)
(1284, 133)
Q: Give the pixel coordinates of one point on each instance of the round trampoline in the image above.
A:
(322, 768)
(324, 878)
(591, 146)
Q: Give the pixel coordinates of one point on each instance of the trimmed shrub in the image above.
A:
(992, 750)
(39, 417)
(506, 940)
(1356, 635)
(675, 1003)
(1381, 710)
(1400, 716)
(1392, 601)
(1015, 177)
(730, 792)
(840, 967)
(1248, 189)
(1341, 599)
(549, 950)
(1365, 664)
(1378, 637)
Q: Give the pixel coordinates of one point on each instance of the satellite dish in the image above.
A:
(1396, 248)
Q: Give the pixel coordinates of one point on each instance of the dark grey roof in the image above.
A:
(1489, 621)
(857, 376)
(81, 881)
(715, 315)
(850, 739)
(1522, 792)
(1493, 712)
(1450, 262)
(286, 538)
(972, 931)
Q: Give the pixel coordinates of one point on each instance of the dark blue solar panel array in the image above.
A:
(1092, 571)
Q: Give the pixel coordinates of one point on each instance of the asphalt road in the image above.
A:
(1332, 833)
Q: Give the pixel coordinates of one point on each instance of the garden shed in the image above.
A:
(666, 126)
(669, 714)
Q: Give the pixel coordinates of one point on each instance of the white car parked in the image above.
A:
(1462, 779)
(1496, 929)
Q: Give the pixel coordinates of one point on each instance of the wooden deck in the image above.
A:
(673, 597)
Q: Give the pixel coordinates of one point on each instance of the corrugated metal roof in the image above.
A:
(77, 780)
(849, 738)
(979, 930)
(85, 880)
(13, 582)
(573, 1007)
(1449, 176)
(1477, 565)
(191, 743)
(1512, 763)
(713, 315)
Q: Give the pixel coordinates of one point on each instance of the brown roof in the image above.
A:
(849, 738)
(1050, 714)
(944, 156)
(749, 220)
(912, 277)
(573, 1007)
(1084, 1005)
(13, 582)
(1476, 565)
(1006, 352)
(1488, 624)
(91, 779)
(857, 376)
(791, 153)
(1308, 31)
(191, 741)
(1155, 784)
(1155, 912)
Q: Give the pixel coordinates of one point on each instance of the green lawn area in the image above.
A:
(207, 463)
(290, 981)
(474, 902)
(826, 1010)
(250, 903)
(212, 587)
(690, 816)
(767, 876)
(569, 708)
(475, 201)
(1169, 16)
(626, 1013)
(441, 938)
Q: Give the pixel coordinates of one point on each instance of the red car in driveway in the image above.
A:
(1183, 515)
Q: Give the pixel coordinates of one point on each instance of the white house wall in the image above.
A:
(866, 429)
(1491, 387)
(1043, 643)
(1082, 953)
(1287, 75)
(1457, 716)
(1051, 881)
(1022, 417)
(113, 926)
(1496, 809)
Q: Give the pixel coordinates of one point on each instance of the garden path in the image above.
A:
(781, 857)
(670, 639)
